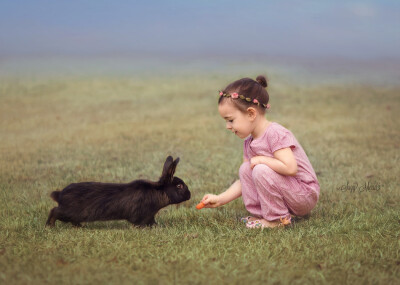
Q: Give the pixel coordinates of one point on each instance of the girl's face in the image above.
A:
(241, 124)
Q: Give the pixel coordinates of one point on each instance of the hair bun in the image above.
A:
(262, 80)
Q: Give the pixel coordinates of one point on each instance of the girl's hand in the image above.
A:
(211, 201)
(255, 160)
(283, 162)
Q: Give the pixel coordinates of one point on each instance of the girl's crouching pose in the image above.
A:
(276, 178)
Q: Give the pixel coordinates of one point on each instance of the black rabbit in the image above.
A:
(137, 201)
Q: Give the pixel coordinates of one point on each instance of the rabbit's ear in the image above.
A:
(167, 165)
(172, 169)
(169, 170)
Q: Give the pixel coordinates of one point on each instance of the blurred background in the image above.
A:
(69, 37)
(105, 90)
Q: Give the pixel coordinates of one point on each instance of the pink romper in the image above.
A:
(269, 195)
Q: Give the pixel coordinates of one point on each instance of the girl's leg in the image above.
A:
(281, 195)
(249, 191)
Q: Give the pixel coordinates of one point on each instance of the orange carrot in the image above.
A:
(200, 206)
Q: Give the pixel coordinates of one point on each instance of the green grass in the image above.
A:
(115, 129)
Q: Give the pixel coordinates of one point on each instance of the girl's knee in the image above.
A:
(245, 169)
(261, 172)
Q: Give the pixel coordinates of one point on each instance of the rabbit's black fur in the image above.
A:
(137, 201)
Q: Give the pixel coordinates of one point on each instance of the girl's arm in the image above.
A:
(283, 162)
(232, 193)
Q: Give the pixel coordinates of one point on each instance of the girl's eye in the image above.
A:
(180, 186)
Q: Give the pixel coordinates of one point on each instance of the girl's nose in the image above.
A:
(228, 126)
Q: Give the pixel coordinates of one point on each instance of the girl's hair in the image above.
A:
(247, 93)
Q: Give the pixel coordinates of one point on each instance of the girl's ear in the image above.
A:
(251, 113)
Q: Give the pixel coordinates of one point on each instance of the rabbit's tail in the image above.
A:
(55, 195)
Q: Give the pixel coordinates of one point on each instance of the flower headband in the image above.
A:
(235, 96)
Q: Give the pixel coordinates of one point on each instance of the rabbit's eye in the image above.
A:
(180, 186)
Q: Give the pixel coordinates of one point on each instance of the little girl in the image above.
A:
(276, 178)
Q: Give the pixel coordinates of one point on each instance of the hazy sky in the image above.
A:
(305, 28)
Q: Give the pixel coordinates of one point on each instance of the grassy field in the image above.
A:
(55, 131)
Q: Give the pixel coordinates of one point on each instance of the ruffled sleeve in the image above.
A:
(281, 138)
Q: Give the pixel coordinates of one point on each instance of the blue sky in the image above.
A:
(361, 29)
